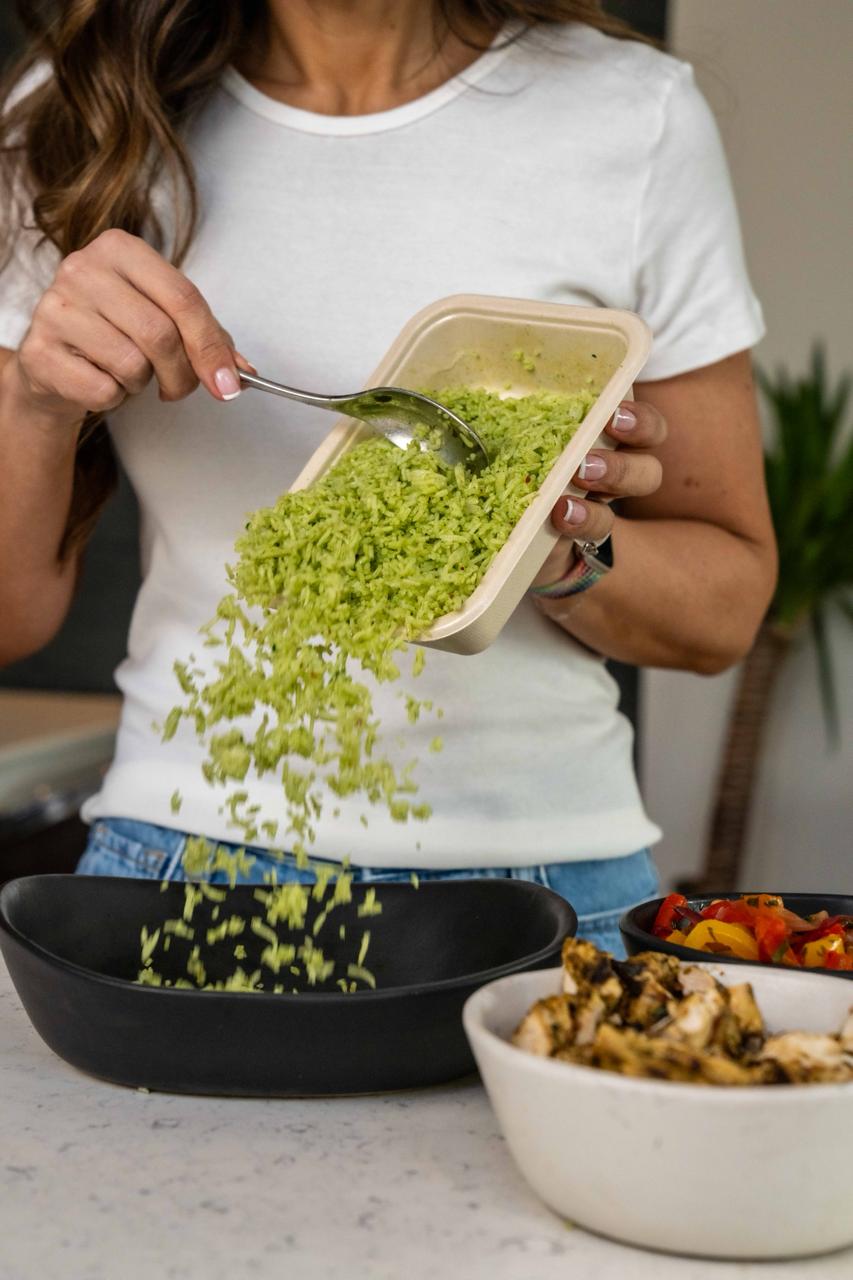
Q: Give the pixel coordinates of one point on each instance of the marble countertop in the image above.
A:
(103, 1183)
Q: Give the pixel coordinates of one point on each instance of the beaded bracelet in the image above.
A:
(592, 564)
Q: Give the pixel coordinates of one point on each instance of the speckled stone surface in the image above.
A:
(103, 1183)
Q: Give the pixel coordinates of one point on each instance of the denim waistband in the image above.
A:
(595, 887)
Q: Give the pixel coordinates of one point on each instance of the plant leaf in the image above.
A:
(809, 474)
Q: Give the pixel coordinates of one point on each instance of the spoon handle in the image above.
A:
(290, 393)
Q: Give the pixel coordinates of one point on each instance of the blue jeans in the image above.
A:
(600, 890)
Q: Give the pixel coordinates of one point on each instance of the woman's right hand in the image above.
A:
(116, 315)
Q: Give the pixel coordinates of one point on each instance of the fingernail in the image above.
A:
(227, 383)
(624, 419)
(593, 467)
(575, 512)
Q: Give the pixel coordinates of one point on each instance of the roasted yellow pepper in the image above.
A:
(723, 939)
(814, 953)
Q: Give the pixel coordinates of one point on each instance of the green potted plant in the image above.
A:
(809, 469)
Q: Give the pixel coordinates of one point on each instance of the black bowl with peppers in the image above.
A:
(812, 931)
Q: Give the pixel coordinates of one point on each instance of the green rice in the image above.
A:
(332, 583)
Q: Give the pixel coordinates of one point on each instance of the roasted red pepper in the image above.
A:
(665, 918)
(771, 933)
(730, 912)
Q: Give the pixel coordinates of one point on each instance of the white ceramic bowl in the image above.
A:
(762, 1172)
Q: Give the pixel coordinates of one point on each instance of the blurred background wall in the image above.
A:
(777, 74)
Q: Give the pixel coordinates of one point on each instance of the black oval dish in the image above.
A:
(71, 944)
(636, 926)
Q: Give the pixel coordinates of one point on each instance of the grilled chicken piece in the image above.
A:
(631, 1053)
(649, 979)
(590, 1013)
(581, 959)
(728, 1036)
(665, 969)
(695, 979)
(693, 1021)
(587, 969)
(717, 1068)
(804, 1057)
(547, 1027)
(845, 1035)
(743, 1006)
(634, 1054)
(646, 998)
(584, 965)
(580, 1055)
(611, 992)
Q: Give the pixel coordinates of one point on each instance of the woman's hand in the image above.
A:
(628, 471)
(116, 315)
(694, 554)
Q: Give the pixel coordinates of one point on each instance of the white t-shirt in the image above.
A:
(570, 167)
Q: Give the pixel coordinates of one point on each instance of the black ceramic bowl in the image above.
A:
(71, 944)
(636, 925)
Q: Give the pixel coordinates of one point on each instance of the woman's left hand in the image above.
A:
(628, 471)
(694, 565)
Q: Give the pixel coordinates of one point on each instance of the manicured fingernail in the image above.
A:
(592, 468)
(624, 419)
(575, 512)
(227, 383)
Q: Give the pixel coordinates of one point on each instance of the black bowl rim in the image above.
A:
(480, 978)
(630, 929)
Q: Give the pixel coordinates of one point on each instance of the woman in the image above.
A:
(304, 175)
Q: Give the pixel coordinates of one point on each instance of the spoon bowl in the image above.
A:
(403, 417)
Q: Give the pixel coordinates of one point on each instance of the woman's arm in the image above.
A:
(695, 560)
(36, 475)
(116, 315)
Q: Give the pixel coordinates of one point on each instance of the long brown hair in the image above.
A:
(88, 142)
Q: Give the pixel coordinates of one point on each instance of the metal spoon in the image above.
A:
(399, 415)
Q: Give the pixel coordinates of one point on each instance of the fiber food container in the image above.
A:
(474, 340)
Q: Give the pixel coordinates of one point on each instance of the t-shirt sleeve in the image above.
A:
(28, 264)
(23, 279)
(691, 281)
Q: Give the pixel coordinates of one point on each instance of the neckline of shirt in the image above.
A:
(379, 121)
